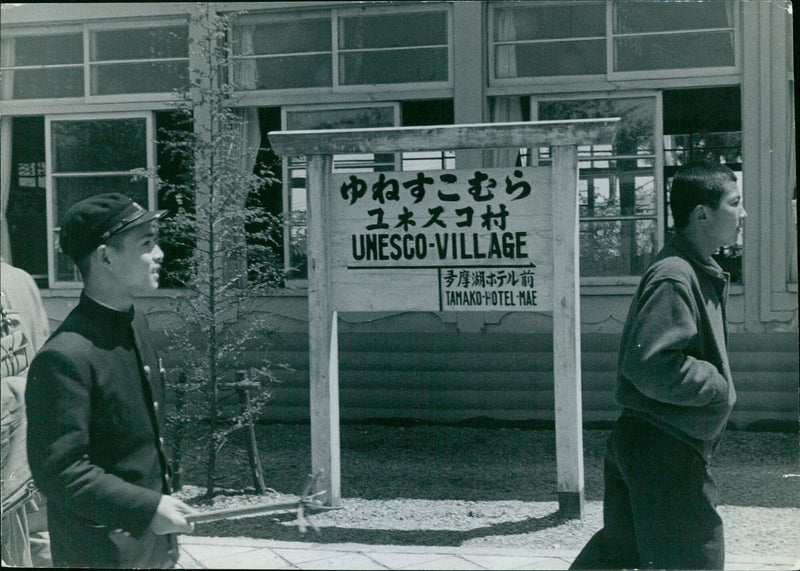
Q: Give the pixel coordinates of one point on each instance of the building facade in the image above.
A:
(86, 88)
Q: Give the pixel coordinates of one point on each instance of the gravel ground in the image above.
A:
(486, 487)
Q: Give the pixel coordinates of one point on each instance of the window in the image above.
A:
(377, 48)
(152, 59)
(139, 60)
(618, 202)
(341, 48)
(539, 40)
(673, 35)
(42, 66)
(89, 156)
(283, 53)
(620, 39)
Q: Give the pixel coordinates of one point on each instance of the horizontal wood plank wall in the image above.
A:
(443, 377)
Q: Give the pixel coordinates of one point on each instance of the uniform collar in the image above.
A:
(101, 311)
(688, 249)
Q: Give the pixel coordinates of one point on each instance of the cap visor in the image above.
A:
(143, 219)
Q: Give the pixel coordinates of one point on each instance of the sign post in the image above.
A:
(452, 240)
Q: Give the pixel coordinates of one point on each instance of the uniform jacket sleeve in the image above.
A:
(59, 390)
(657, 357)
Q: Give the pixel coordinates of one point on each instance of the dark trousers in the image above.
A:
(659, 506)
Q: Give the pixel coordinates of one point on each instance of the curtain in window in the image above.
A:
(246, 68)
(249, 140)
(505, 56)
(6, 59)
(504, 110)
(5, 167)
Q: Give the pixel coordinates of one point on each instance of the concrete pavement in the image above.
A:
(242, 553)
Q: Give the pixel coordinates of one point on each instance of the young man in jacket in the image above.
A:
(95, 399)
(675, 389)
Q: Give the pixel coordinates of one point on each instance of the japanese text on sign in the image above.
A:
(436, 218)
(480, 239)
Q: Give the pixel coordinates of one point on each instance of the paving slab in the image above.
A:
(343, 561)
(245, 553)
(253, 559)
(517, 562)
(445, 562)
(391, 560)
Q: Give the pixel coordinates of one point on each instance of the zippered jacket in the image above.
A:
(673, 368)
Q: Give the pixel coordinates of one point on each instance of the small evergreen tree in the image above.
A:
(233, 243)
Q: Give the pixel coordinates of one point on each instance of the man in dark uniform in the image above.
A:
(95, 399)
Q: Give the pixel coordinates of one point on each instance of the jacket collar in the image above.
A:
(709, 265)
(99, 311)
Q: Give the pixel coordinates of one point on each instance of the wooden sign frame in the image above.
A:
(319, 146)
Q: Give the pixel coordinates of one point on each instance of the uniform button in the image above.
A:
(146, 370)
(161, 440)
(155, 405)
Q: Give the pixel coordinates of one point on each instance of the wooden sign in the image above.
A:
(516, 250)
(464, 240)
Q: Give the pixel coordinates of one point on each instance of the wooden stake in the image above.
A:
(566, 332)
(323, 360)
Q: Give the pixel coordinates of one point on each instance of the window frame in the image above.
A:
(57, 30)
(86, 29)
(333, 14)
(699, 72)
(495, 81)
(52, 245)
(92, 27)
(658, 168)
(610, 74)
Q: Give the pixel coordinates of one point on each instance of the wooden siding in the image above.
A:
(443, 377)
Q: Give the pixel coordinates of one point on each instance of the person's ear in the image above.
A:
(102, 254)
(700, 214)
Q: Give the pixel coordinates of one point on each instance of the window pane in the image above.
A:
(69, 190)
(675, 51)
(551, 59)
(283, 72)
(617, 248)
(26, 212)
(636, 130)
(356, 118)
(633, 17)
(47, 50)
(543, 22)
(43, 83)
(710, 147)
(405, 66)
(428, 160)
(392, 30)
(283, 37)
(140, 43)
(149, 77)
(99, 146)
(617, 189)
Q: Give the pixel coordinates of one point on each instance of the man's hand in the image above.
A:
(170, 518)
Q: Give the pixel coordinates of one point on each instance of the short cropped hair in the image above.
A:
(694, 184)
